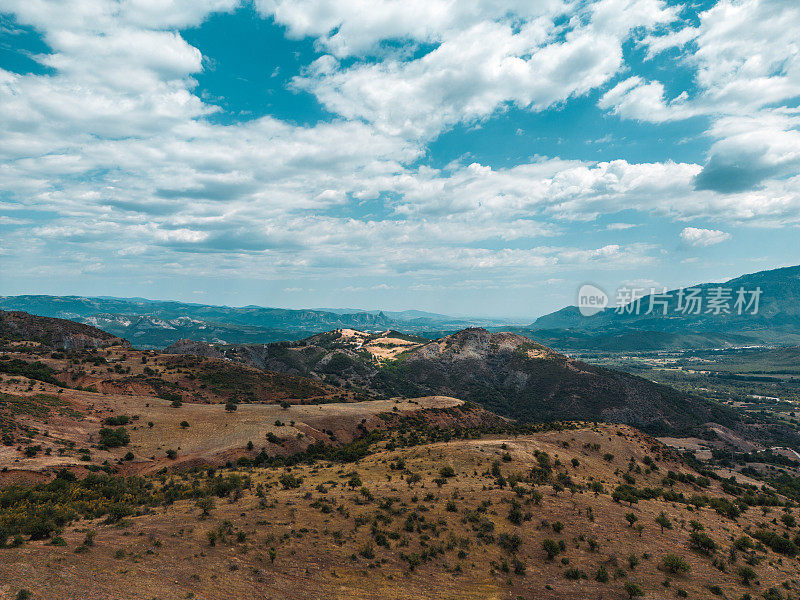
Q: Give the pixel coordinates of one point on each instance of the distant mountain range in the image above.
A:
(653, 322)
(156, 324)
(669, 322)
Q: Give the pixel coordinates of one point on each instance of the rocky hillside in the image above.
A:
(504, 372)
(55, 333)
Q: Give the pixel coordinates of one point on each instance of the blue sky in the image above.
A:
(480, 157)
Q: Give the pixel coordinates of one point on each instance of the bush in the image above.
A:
(509, 543)
(113, 438)
(602, 574)
(447, 471)
(551, 547)
(289, 481)
(633, 590)
(746, 574)
(702, 543)
(777, 542)
(674, 564)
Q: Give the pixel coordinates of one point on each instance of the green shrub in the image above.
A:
(113, 438)
(674, 564)
(551, 547)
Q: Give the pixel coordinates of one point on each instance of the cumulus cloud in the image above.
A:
(703, 237)
(746, 65)
(635, 98)
(476, 69)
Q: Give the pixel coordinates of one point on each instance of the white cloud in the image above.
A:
(110, 156)
(475, 70)
(635, 98)
(703, 237)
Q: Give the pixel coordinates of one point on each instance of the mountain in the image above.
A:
(504, 372)
(55, 333)
(156, 324)
(776, 321)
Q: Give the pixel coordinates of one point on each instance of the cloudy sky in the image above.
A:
(469, 157)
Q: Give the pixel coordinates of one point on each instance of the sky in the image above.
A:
(464, 157)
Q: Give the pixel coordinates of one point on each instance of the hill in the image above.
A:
(503, 372)
(74, 397)
(54, 333)
(576, 512)
(167, 475)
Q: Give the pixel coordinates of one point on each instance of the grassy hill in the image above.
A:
(586, 512)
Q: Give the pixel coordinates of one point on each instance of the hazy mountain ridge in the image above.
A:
(157, 324)
(776, 322)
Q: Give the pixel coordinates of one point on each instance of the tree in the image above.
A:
(625, 493)
(677, 565)
(231, 406)
(206, 505)
(701, 542)
(631, 518)
(633, 590)
(663, 521)
(551, 547)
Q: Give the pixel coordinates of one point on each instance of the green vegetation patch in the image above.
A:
(32, 370)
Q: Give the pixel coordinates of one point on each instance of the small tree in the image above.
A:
(231, 406)
(551, 547)
(663, 521)
(633, 590)
(206, 505)
(702, 543)
(677, 565)
(631, 519)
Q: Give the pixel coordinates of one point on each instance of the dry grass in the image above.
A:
(167, 555)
